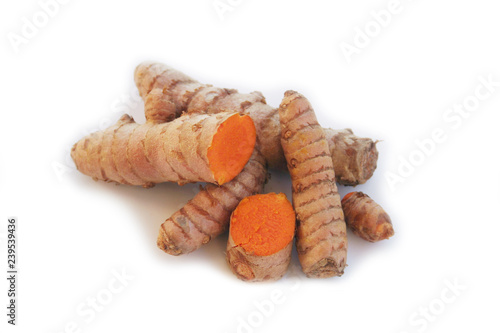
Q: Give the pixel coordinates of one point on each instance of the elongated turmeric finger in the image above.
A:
(170, 92)
(260, 237)
(366, 218)
(321, 233)
(193, 148)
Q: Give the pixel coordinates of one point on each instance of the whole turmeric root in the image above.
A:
(207, 214)
(261, 231)
(167, 93)
(366, 218)
(321, 232)
(198, 147)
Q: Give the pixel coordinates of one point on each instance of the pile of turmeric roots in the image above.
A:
(195, 132)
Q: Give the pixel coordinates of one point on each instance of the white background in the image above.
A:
(75, 75)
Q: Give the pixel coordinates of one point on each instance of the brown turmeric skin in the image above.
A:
(366, 218)
(260, 237)
(168, 93)
(192, 148)
(321, 231)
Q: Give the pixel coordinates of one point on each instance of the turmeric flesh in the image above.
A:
(260, 237)
(321, 232)
(207, 214)
(366, 218)
(167, 93)
(192, 148)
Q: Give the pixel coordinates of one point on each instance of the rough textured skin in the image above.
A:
(145, 154)
(355, 158)
(207, 214)
(253, 268)
(158, 108)
(321, 232)
(366, 218)
(153, 84)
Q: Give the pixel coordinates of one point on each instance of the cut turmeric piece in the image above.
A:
(366, 218)
(260, 237)
(192, 148)
(321, 232)
(263, 224)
